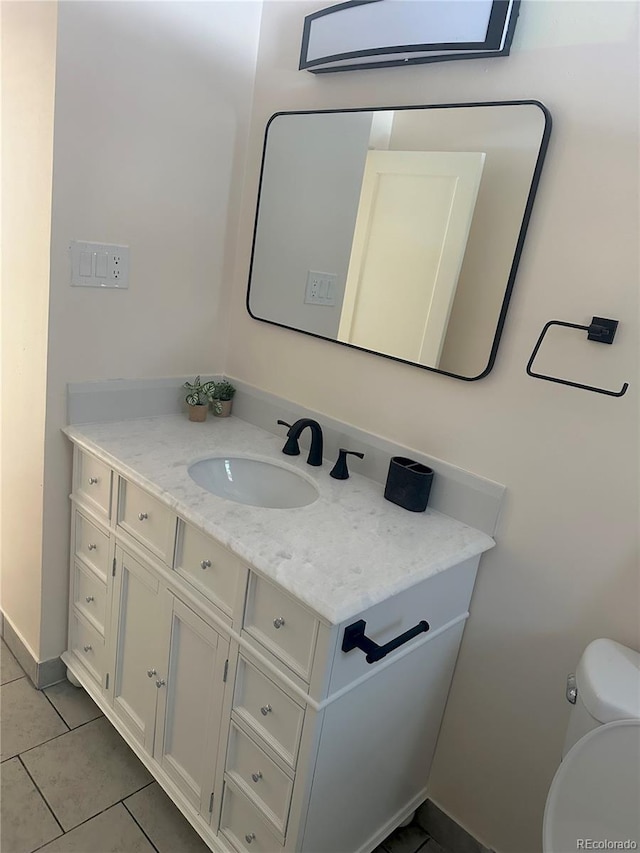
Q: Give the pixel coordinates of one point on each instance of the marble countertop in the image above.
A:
(348, 550)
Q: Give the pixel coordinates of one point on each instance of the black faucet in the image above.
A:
(291, 448)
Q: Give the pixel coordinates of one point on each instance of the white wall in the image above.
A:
(565, 569)
(28, 72)
(151, 114)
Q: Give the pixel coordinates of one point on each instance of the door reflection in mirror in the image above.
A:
(409, 240)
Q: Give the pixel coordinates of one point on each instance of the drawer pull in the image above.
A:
(88, 647)
(266, 709)
(354, 638)
(93, 481)
(142, 516)
(151, 673)
(89, 599)
(256, 776)
(160, 683)
(92, 547)
(278, 622)
(249, 837)
(205, 564)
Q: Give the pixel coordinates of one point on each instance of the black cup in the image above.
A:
(408, 484)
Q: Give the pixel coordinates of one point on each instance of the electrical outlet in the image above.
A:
(116, 266)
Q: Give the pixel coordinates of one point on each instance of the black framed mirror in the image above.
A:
(397, 230)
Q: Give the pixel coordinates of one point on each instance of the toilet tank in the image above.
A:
(608, 688)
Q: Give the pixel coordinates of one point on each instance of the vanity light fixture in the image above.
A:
(381, 33)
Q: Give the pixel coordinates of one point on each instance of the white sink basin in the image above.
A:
(253, 482)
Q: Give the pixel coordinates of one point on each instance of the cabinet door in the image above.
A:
(190, 704)
(137, 671)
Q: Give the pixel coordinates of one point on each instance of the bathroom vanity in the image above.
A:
(210, 634)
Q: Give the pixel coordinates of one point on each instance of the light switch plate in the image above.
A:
(320, 288)
(99, 265)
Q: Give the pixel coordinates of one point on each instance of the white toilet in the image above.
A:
(594, 799)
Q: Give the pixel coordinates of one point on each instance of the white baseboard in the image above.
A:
(41, 673)
(446, 831)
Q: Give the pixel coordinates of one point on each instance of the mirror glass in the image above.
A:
(397, 230)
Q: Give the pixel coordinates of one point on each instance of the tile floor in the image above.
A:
(70, 784)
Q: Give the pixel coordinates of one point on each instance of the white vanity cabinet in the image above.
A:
(167, 678)
(236, 695)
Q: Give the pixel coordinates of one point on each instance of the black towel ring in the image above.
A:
(601, 330)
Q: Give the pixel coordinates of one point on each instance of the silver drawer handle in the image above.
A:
(160, 683)
(89, 599)
(92, 547)
(249, 837)
(151, 673)
(142, 516)
(88, 647)
(93, 481)
(256, 776)
(205, 564)
(266, 709)
(278, 622)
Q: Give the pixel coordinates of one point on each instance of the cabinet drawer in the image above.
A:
(259, 777)
(244, 826)
(93, 481)
(268, 711)
(91, 544)
(149, 521)
(206, 564)
(89, 596)
(282, 625)
(87, 645)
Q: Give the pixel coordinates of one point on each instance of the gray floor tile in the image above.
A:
(26, 822)
(406, 839)
(10, 669)
(85, 771)
(163, 823)
(74, 704)
(27, 718)
(113, 831)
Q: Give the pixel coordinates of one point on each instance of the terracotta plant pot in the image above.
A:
(198, 413)
(222, 408)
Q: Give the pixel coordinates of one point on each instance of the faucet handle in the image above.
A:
(291, 448)
(340, 470)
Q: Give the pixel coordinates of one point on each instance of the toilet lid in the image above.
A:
(595, 794)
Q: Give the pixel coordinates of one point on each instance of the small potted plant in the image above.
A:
(223, 393)
(198, 398)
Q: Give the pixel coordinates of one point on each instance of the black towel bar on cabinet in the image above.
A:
(354, 638)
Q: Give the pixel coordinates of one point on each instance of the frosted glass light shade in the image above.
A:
(378, 33)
